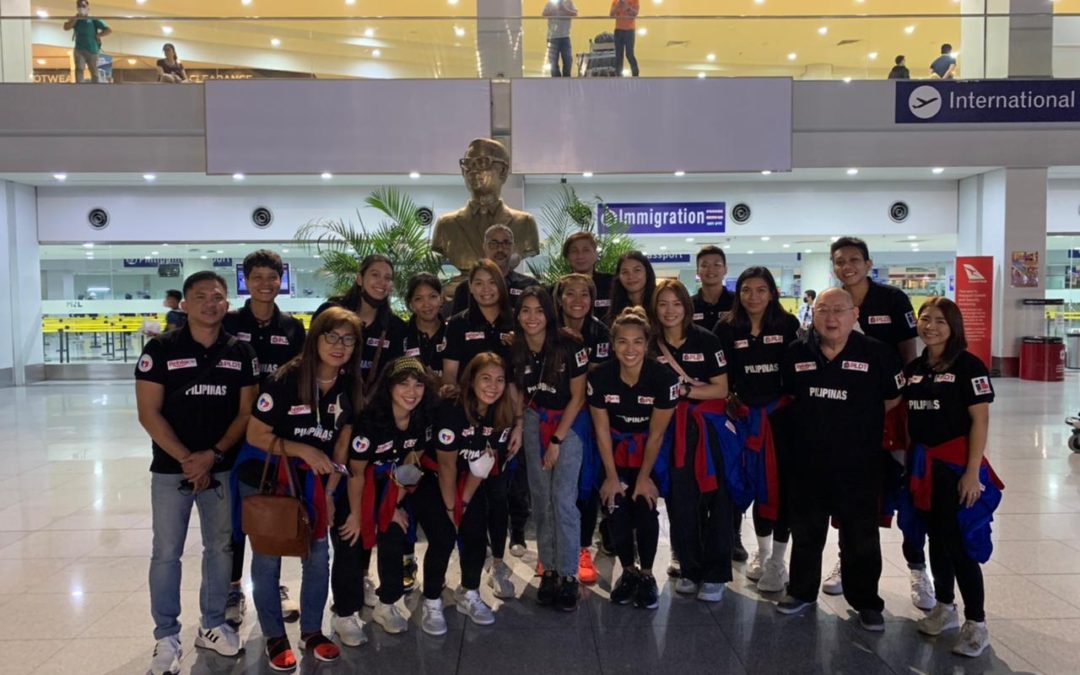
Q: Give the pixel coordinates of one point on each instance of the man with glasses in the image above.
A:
(87, 37)
(194, 388)
(499, 246)
(843, 383)
(460, 235)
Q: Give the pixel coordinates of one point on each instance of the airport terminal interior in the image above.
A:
(326, 130)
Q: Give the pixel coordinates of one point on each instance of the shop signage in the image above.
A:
(987, 101)
(151, 262)
(667, 217)
(668, 258)
(223, 262)
(975, 298)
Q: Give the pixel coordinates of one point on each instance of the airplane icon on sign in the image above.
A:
(923, 102)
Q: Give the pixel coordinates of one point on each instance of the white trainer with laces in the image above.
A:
(940, 619)
(290, 608)
(167, 655)
(472, 606)
(711, 592)
(350, 630)
(371, 598)
(834, 584)
(686, 586)
(432, 620)
(774, 578)
(922, 590)
(222, 639)
(500, 580)
(390, 618)
(756, 567)
(974, 639)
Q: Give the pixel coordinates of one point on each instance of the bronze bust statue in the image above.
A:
(459, 235)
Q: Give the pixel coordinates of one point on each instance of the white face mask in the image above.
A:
(482, 465)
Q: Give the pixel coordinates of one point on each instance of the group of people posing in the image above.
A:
(595, 400)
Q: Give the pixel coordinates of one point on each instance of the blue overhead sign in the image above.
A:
(668, 258)
(987, 101)
(667, 217)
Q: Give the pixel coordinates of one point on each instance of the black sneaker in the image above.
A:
(626, 587)
(790, 605)
(605, 546)
(568, 594)
(408, 576)
(549, 588)
(738, 551)
(871, 620)
(647, 596)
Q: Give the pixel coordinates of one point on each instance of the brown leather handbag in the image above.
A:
(277, 524)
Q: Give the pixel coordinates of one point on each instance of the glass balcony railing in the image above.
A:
(463, 46)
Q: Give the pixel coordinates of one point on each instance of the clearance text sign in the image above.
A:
(975, 297)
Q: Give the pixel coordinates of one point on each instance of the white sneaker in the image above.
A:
(711, 592)
(371, 598)
(774, 577)
(350, 630)
(167, 655)
(223, 640)
(834, 584)
(940, 619)
(685, 586)
(389, 617)
(974, 639)
(432, 620)
(517, 550)
(472, 606)
(500, 580)
(290, 609)
(756, 567)
(922, 590)
(235, 607)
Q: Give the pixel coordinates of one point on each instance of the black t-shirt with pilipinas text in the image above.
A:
(938, 401)
(707, 314)
(629, 408)
(575, 363)
(754, 360)
(886, 314)
(316, 423)
(454, 433)
(275, 342)
(202, 389)
(597, 340)
(701, 357)
(468, 333)
(428, 349)
(382, 443)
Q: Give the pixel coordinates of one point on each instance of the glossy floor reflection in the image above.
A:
(75, 545)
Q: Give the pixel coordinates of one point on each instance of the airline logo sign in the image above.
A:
(666, 217)
(988, 101)
(974, 276)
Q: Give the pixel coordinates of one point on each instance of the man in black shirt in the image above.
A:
(276, 337)
(712, 299)
(499, 246)
(843, 384)
(944, 66)
(175, 317)
(581, 251)
(194, 389)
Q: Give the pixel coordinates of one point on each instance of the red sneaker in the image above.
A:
(280, 655)
(539, 568)
(586, 569)
(320, 647)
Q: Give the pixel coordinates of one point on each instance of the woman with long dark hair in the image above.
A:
(954, 489)
(425, 332)
(550, 363)
(634, 284)
(303, 412)
(575, 300)
(469, 449)
(488, 326)
(391, 434)
(754, 336)
(632, 400)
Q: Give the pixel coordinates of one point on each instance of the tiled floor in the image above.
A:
(75, 545)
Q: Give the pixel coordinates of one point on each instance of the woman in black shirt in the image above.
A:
(425, 332)
(633, 285)
(632, 400)
(754, 337)
(392, 433)
(699, 505)
(469, 450)
(305, 410)
(169, 69)
(948, 394)
(550, 363)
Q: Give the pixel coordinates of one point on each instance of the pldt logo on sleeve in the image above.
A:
(980, 102)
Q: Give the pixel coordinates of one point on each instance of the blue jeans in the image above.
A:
(560, 48)
(554, 498)
(171, 515)
(314, 586)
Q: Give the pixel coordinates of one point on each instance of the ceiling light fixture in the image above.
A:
(663, 248)
(824, 30)
(153, 253)
(852, 172)
(41, 62)
(766, 172)
(749, 253)
(710, 57)
(60, 177)
(459, 31)
(701, 76)
(642, 31)
(680, 174)
(689, 240)
(809, 250)
(766, 238)
(376, 53)
(872, 56)
(938, 170)
(42, 14)
(909, 30)
(149, 177)
(792, 56)
(847, 80)
(132, 62)
(414, 175)
(274, 42)
(911, 236)
(587, 174)
(238, 176)
(326, 175)
(88, 245)
(245, 3)
(167, 30)
(785, 245)
(369, 32)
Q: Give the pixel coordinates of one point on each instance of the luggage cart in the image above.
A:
(600, 59)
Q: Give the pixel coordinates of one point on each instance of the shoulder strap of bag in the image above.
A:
(203, 374)
(278, 443)
(675, 364)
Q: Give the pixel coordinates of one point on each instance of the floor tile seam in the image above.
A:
(996, 637)
(103, 616)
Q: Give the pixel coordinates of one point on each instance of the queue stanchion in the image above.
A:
(1072, 350)
(1042, 358)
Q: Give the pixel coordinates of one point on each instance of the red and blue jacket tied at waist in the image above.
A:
(591, 466)
(312, 490)
(758, 455)
(974, 520)
(629, 452)
(715, 430)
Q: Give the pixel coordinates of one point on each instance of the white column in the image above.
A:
(1031, 39)
(16, 45)
(499, 38)
(816, 272)
(20, 300)
(1000, 212)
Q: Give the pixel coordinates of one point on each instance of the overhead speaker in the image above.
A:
(425, 215)
(262, 217)
(98, 218)
(899, 212)
(740, 213)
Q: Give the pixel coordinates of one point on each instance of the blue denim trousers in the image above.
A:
(554, 499)
(171, 516)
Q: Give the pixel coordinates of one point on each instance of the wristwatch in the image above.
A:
(219, 456)
(556, 440)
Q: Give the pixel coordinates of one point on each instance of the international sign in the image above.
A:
(991, 101)
(667, 217)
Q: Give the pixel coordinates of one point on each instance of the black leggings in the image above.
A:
(624, 44)
(589, 508)
(439, 529)
(949, 560)
(351, 562)
(238, 546)
(632, 523)
(778, 529)
(508, 507)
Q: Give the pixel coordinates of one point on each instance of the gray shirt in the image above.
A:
(559, 25)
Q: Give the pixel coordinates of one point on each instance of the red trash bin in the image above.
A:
(1042, 358)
